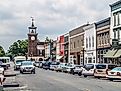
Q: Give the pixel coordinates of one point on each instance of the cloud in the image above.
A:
(52, 17)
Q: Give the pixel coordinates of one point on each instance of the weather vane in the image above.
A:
(32, 18)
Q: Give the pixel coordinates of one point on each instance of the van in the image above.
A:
(101, 70)
(5, 62)
(88, 69)
(17, 62)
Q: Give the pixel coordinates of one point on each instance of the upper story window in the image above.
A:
(102, 37)
(118, 15)
(89, 42)
(86, 42)
(78, 43)
(74, 45)
(92, 41)
(114, 20)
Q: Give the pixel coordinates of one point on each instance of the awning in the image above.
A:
(118, 54)
(110, 54)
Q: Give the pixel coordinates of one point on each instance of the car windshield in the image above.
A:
(102, 66)
(27, 63)
(89, 66)
(78, 66)
(111, 66)
(19, 61)
(117, 69)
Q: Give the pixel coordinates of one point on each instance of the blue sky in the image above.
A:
(52, 17)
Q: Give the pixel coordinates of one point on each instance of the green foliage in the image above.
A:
(2, 52)
(18, 48)
(48, 40)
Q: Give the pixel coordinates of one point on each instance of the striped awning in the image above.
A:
(110, 54)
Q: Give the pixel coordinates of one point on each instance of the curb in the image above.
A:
(11, 85)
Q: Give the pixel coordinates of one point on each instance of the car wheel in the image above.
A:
(110, 79)
(21, 72)
(33, 72)
(79, 74)
(85, 76)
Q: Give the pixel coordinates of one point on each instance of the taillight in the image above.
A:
(118, 74)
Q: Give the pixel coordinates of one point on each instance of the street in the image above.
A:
(46, 80)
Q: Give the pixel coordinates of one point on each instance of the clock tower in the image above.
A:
(32, 40)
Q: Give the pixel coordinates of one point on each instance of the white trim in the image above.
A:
(76, 35)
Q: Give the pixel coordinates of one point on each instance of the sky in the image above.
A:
(52, 17)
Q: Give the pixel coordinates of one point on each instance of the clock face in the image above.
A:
(32, 38)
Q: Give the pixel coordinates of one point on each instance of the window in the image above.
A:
(89, 42)
(93, 59)
(119, 18)
(86, 43)
(74, 45)
(78, 43)
(114, 15)
(82, 41)
(92, 41)
(99, 40)
(114, 34)
(89, 60)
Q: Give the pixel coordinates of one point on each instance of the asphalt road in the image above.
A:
(45, 80)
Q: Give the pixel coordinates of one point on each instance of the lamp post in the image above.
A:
(83, 51)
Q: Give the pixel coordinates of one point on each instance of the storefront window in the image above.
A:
(89, 60)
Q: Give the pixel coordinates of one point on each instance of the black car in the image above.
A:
(46, 65)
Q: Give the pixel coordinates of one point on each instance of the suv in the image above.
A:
(101, 70)
(27, 66)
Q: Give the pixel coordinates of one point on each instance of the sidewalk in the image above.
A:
(10, 75)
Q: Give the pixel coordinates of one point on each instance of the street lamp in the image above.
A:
(83, 51)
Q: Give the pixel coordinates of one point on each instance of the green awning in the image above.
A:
(118, 54)
(110, 54)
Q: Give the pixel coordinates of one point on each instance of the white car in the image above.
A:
(60, 67)
(89, 70)
(114, 74)
(54, 65)
(27, 66)
(68, 68)
(77, 70)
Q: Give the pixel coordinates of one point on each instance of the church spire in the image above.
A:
(32, 21)
(32, 28)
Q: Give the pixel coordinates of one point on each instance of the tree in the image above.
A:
(18, 48)
(2, 52)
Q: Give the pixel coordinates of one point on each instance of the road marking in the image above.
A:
(85, 89)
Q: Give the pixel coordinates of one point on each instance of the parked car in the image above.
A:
(114, 74)
(68, 68)
(27, 66)
(89, 70)
(102, 70)
(38, 64)
(46, 65)
(77, 70)
(60, 67)
(54, 65)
